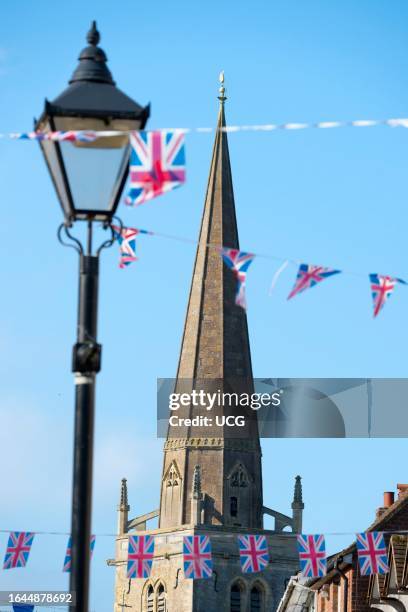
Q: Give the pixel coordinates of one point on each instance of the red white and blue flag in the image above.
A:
(157, 164)
(372, 553)
(253, 553)
(68, 554)
(238, 262)
(308, 276)
(312, 555)
(18, 549)
(197, 556)
(70, 136)
(381, 289)
(140, 556)
(127, 243)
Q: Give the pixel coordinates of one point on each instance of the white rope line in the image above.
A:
(285, 261)
(268, 127)
(224, 535)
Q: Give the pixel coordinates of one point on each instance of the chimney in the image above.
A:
(388, 498)
(388, 501)
(402, 489)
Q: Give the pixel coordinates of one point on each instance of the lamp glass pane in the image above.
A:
(50, 153)
(94, 174)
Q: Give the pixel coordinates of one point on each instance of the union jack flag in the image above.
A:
(372, 553)
(71, 136)
(68, 554)
(140, 556)
(381, 289)
(253, 553)
(127, 243)
(312, 555)
(238, 262)
(157, 164)
(197, 556)
(308, 276)
(18, 549)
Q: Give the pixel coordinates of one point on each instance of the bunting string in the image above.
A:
(308, 275)
(115, 535)
(253, 553)
(91, 136)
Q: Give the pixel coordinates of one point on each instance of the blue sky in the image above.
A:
(331, 197)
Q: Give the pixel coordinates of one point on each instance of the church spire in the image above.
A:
(214, 356)
(215, 341)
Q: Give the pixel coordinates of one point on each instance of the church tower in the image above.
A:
(211, 481)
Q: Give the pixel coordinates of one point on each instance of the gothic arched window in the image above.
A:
(256, 599)
(161, 599)
(150, 599)
(235, 598)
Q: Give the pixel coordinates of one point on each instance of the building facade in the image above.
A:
(343, 589)
(211, 484)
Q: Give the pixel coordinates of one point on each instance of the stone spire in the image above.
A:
(215, 340)
(297, 505)
(123, 507)
(215, 354)
(297, 494)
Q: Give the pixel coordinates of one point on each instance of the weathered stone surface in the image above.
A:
(205, 595)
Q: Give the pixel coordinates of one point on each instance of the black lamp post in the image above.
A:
(89, 178)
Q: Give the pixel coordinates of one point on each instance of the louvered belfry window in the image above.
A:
(256, 600)
(161, 599)
(150, 599)
(235, 599)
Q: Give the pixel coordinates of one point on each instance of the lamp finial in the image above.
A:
(93, 37)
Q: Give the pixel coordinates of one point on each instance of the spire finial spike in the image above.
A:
(93, 37)
(222, 97)
(297, 496)
(124, 495)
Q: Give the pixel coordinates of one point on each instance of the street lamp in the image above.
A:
(89, 178)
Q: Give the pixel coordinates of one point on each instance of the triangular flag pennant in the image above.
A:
(312, 555)
(253, 553)
(381, 289)
(18, 549)
(126, 236)
(372, 553)
(140, 556)
(238, 262)
(127, 244)
(308, 276)
(157, 165)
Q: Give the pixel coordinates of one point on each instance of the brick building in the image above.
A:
(211, 484)
(343, 589)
